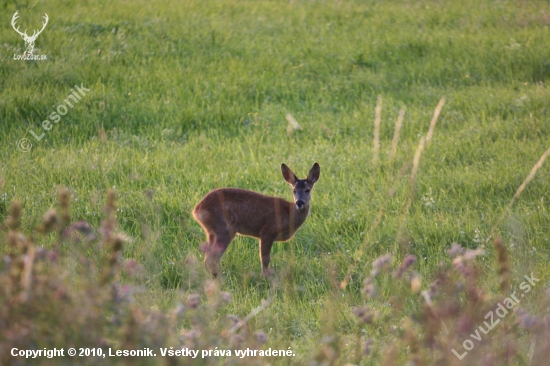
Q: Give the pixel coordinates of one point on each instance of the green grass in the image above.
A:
(187, 97)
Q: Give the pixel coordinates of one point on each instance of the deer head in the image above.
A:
(29, 40)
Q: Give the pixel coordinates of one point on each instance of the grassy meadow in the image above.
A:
(189, 96)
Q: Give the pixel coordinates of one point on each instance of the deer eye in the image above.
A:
(293, 191)
(307, 190)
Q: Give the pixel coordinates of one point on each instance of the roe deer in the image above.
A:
(225, 212)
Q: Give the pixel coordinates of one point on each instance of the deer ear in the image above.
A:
(289, 176)
(314, 173)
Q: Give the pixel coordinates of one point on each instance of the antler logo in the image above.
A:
(29, 40)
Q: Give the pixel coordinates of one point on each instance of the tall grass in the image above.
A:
(187, 97)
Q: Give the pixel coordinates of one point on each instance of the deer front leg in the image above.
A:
(265, 254)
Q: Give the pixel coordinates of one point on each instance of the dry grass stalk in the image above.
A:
(531, 175)
(434, 119)
(293, 125)
(412, 184)
(416, 160)
(26, 277)
(376, 138)
(528, 179)
(13, 221)
(408, 203)
(503, 264)
(395, 140)
(264, 304)
(416, 163)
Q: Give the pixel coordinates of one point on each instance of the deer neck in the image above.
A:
(298, 216)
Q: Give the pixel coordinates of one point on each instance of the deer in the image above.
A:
(226, 212)
(29, 40)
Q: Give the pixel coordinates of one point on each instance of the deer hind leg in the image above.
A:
(210, 239)
(218, 243)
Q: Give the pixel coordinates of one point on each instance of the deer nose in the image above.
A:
(300, 203)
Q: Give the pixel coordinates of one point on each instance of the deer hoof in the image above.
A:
(268, 272)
